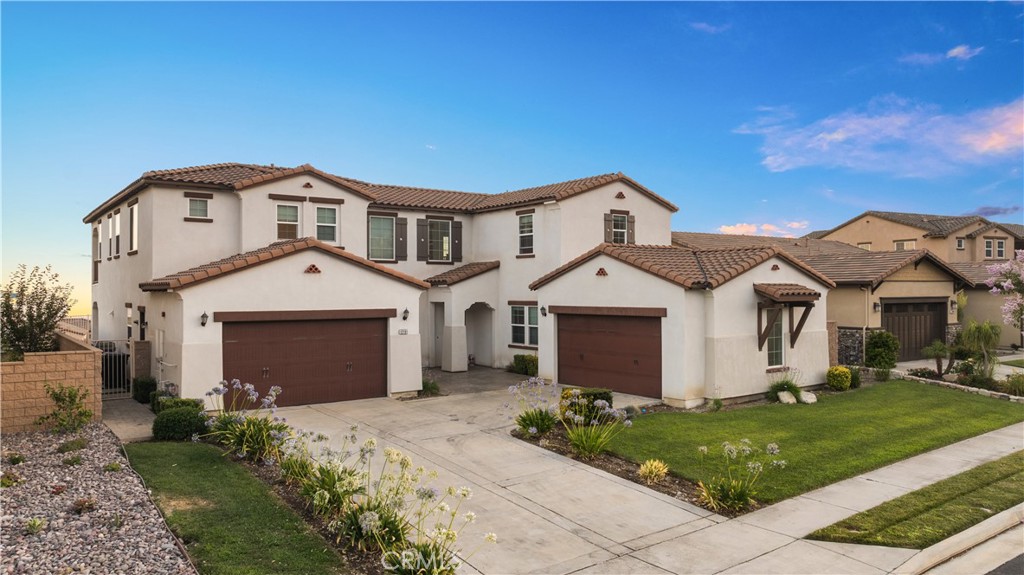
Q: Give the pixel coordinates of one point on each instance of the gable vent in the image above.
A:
(312, 269)
(601, 272)
(620, 196)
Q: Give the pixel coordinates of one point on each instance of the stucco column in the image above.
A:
(455, 357)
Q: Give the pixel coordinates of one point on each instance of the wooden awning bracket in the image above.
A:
(775, 309)
(794, 332)
(763, 331)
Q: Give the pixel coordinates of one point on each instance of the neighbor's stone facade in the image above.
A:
(953, 330)
(23, 398)
(850, 346)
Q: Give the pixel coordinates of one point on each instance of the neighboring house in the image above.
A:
(685, 325)
(984, 305)
(952, 238)
(910, 293)
(336, 287)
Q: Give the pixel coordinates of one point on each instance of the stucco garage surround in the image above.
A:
(709, 342)
(283, 288)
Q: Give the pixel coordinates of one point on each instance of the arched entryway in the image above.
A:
(480, 334)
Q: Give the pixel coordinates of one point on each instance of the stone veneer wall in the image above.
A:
(850, 344)
(22, 396)
(953, 330)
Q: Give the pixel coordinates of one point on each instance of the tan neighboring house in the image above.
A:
(911, 293)
(984, 305)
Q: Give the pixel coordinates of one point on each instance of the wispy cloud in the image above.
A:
(989, 211)
(802, 224)
(891, 135)
(963, 52)
(764, 229)
(431, 147)
(710, 28)
(921, 58)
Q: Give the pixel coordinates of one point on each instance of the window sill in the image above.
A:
(525, 256)
(200, 220)
(432, 263)
(520, 346)
(777, 369)
(117, 257)
(133, 252)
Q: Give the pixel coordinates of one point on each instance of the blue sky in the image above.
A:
(755, 117)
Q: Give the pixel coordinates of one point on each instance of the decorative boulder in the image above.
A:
(786, 397)
(808, 397)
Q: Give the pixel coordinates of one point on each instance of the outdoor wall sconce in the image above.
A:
(405, 314)
(203, 319)
(952, 306)
(878, 307)
(543, 311)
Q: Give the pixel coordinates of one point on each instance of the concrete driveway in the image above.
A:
(555, 515)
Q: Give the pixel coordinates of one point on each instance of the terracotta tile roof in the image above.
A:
(797, 247)
(874, 267)
(933, 225)
(216, 269)
(977, 272)
(353, 185)
(689, 268)
(426, 198)
(816, 234)
(461, 273)
(214, 174)
(787, 292)
(1014, 230)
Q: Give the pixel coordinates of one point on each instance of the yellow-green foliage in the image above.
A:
(838, 378)
(653, 471)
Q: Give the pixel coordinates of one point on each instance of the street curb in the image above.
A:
(948, 548)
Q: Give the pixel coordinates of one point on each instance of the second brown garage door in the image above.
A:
(616, 352)
(313, 361)
(915, 324)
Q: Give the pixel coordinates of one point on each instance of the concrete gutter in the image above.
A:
(951, 547)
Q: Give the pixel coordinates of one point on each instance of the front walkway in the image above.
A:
(556, 515)
(130, 420)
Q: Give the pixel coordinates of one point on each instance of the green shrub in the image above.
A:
(255, 437)
(881, 374)
(69, 412)
(782, 385)
(15, 459)
(743, 465)
(142, 388)
(591, 424)
(978, 380)
(536, 421)
(329, 487)
(73, 445)
(854, 377)
(72, 460)
(716, 405)
(165, 402)
(925, 373)
(154, 399)
(34, 525)
(178, 423)
(373, 525)
(112, 467)
(882, 350)
(1013, 384)
(838, 378)
(430, 388)
(587, 397)
(10, 479)
(652, 471)
(525, 364)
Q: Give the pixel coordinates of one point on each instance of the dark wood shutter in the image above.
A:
(457, 241)
(421, 240)
(609, 233)
(631, 230)
(401, 245)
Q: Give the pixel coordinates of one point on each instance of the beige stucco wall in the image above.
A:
(881, 233)
(982, 306)
(849, 305)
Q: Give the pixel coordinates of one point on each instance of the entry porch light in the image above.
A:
(203, 319)
(877, 307)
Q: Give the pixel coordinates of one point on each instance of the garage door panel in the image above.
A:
(617, 352)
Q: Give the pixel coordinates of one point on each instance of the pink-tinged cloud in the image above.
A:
(739, 229)
(893, 135)
(963, 52)
(709, 28)
(745, 229)
(802, 224)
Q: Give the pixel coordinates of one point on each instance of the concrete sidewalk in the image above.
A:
(556, 515)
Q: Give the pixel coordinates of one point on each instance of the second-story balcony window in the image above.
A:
(287, 222)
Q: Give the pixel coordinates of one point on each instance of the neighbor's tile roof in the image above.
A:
(797, 247)
(816, 234)
(933, 225)
(1015, 229)
(977, 272)
(213, 174)
(562, 190)
(426, 198)
(787, 292)
(873, 267)
(461, 273)
(274, 251)
(686, 267)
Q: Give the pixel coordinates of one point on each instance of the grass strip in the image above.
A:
(841, 436)
(1013, 362)
(924, 517)
(230, 521)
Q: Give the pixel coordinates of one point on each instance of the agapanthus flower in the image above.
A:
(369, 522)
(491, 538)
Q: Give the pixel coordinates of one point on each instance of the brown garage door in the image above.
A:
(313, 361)
(915, 324)
(620, 353)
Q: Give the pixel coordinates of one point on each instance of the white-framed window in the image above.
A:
(524, 325)
(526, 234)
(327, 224)
(1000, 249)
(198, 208)
(287, 222)
(117, 233)
(620, 228)
(960, 243)
(133, 228)
(439, 240)
(382, 238)
(110, 235)
(865, 246)
(776, 355)
(902, 245)
(988, 248)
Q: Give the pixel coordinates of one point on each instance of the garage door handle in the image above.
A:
(581, 357)
(348, 366)
(636, 362)
(266, 372)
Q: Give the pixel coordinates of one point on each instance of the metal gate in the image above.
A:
(116, 367)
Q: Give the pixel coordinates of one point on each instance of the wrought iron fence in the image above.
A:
(116, 367)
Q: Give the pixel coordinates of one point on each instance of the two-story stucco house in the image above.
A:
(336, 288)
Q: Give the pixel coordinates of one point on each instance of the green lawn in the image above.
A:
(1013, 362)
(231, 522)
(927, 516)
(841, 436)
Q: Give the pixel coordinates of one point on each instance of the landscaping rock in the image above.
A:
(124, 533)
(808, 397)
(786, 397)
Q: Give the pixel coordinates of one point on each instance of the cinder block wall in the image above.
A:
(22, 396)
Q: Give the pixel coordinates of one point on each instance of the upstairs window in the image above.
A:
(110, 236)
(198, 208)
(526, 234)
(619, 227)
(524, 325)
(327, 224)
(287, 222)
(1000, 249)
(382, 238)
(620, 224)
(960, 243)
(988, 248)
(439, 241)
(776, 357)
(117, 233)
(903, 245)
(133, 228)
(865, 246)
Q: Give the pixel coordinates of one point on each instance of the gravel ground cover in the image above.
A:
(122, 533)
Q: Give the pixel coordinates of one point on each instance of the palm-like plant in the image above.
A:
(982, 338)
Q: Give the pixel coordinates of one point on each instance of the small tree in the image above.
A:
(1008, 279)
(881, 350)
(982, 338)
(937, 351)
(32, 304)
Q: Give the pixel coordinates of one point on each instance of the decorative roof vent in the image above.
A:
(775, 268)
(307, 185)
(620, 196)
(601, 272)
(312, 269)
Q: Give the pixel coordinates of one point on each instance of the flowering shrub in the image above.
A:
(1008, 280)
(245, 429)
(591, 424)
(653, 471)
(533, 406)
(744, 466)
(838, 378)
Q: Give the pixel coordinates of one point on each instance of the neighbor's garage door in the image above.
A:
(313, 361)
(915, 324)
(616, 352)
